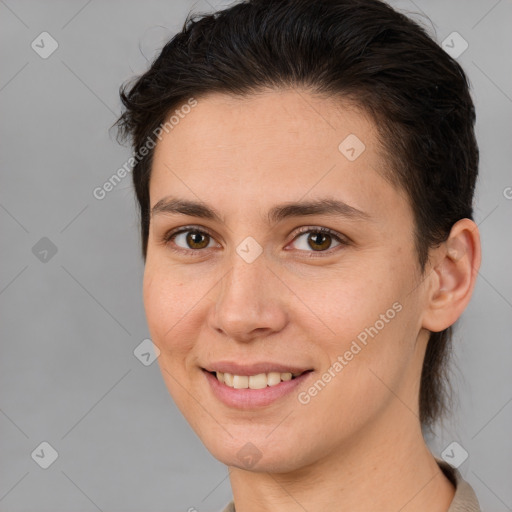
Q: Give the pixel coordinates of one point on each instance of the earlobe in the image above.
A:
(453, 277)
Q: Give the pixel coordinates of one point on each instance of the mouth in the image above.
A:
(257, 381)
(255, 389)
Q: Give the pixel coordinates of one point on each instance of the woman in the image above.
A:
(305, 173)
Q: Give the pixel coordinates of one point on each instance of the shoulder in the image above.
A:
(465, 499)
(230, 507)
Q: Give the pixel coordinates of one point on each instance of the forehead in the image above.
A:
(274, 118)
(271, 147)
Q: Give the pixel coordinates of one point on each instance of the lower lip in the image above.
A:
(251, 398)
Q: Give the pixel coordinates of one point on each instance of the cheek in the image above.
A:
(166, 306)
(359, 380)
(345, 303)
(368, 330)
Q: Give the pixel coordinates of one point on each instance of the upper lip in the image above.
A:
(255, 368)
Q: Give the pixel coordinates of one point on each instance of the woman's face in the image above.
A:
(260, 290)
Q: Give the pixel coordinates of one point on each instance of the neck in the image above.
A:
(368, 472)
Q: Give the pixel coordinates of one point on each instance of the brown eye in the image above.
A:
(188, 239)
(317, 240)
(196, 239)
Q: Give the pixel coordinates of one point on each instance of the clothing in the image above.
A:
(464, 500)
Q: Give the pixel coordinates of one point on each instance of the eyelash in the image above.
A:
(168, 237)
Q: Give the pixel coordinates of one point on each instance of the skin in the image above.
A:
(358, 442)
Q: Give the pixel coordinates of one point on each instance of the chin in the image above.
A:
(257, 452)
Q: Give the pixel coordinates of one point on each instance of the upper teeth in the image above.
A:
(260, 381)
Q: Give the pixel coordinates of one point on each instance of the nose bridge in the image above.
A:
(248, 267)
(241, 288)
(246, 299)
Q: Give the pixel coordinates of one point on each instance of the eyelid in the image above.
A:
(168, 235)
(166, 239)
(343, 239)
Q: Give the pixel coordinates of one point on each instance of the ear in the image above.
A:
(453, 276)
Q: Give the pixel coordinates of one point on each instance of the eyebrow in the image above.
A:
(327, 206)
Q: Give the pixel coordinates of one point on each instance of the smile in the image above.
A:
(253, 391)
(259, 381)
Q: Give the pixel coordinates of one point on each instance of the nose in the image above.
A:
(250, 302)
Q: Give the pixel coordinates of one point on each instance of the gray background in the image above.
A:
(70, 323)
